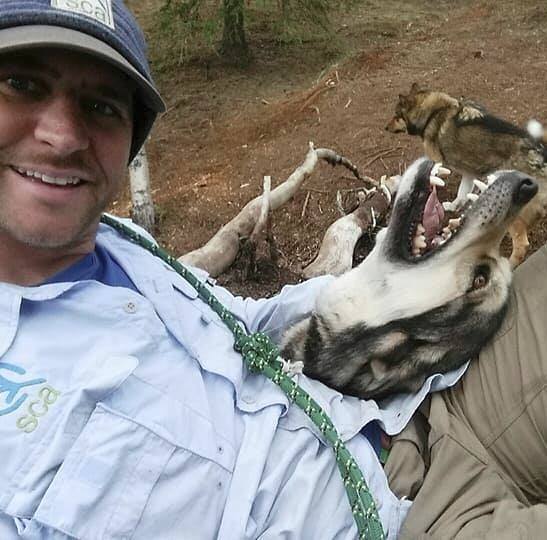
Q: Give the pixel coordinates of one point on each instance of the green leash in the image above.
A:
(262, 356)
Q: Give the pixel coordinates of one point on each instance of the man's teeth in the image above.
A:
(58, 181)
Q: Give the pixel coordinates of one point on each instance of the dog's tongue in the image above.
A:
(433, 215)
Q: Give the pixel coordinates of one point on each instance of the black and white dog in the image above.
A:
(426, 299)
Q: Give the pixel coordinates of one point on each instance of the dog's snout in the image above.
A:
(526, 189)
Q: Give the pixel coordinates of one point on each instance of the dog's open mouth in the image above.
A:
(430, 226)
(427, 230)
(419, 227)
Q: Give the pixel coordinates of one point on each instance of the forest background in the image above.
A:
(248, 83)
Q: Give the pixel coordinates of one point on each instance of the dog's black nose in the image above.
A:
(527, 188)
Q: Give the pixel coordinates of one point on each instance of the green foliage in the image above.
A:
(234, 40)
(189, 28)
(183, 29)
(301, 20)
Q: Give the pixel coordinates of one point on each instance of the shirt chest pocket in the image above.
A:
(132, 467)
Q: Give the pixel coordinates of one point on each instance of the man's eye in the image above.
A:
(23, 84)
(102, 108)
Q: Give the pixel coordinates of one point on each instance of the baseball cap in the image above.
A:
(105, 29)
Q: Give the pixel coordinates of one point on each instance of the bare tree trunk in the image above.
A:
(234, 45)
(142, 211)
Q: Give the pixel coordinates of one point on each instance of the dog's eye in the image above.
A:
(480, 279)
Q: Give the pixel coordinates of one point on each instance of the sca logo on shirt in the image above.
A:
(14, 396)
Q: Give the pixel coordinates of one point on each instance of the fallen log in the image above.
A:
(221, 250)
(336, 252)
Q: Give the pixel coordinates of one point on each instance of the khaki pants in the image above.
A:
(474, 459)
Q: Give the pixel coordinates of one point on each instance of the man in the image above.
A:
(125, 411)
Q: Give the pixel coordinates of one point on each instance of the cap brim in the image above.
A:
(31, 36)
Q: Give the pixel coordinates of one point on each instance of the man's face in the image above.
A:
(65, 133)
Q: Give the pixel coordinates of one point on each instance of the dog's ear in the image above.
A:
(414, 89)
(403, 100)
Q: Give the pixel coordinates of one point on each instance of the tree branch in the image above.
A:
(221, 250)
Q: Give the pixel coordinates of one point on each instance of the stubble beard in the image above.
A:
(48, 239)
(79, 228)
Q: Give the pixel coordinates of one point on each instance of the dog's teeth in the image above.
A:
(439, 170)
(420, 229)
(448, 206)
(436, 181)
(447, 233)
(416, 252)
(472, 197)
(437, 241)
(491, 178)
(481, 185)
(419, 242)
(454, 223)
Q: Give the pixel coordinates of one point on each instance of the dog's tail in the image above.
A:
(536, 131)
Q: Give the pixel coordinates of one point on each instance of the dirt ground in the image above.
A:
(226, 128)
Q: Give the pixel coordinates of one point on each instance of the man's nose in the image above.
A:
(62, 126)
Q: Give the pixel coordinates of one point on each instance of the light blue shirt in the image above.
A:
(127, 415)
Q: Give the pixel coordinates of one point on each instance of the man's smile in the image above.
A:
(46, 187)
(55, 179)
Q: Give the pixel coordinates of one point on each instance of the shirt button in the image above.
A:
(220, 450)
(130, 307)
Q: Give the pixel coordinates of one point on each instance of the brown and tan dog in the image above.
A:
(466, 138)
